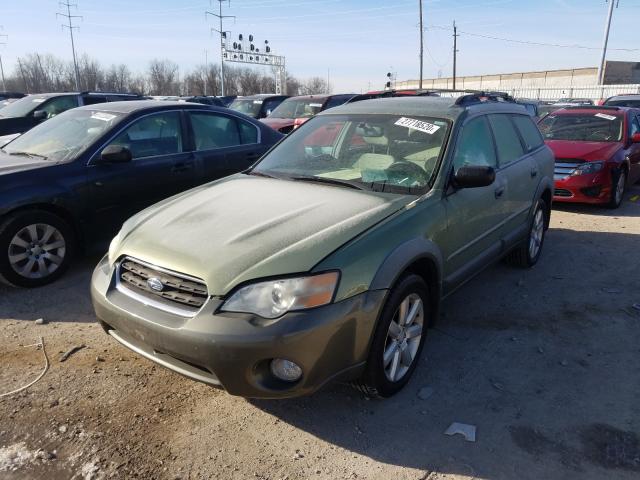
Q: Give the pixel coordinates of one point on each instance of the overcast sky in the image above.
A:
(358, 41)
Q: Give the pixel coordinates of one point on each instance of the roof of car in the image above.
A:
(580, 109)
(310, 97)
(441, 107)
(626, 96)
(137, 105)
(260, 96)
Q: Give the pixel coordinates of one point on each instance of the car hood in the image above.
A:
(278, 123)
(19, 163)
(589, 151)
(246, 227)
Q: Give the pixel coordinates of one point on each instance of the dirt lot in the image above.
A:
(544, 362)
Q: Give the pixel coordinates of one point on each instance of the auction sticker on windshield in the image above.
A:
(605, 116)
(416, 124)
(106, 117)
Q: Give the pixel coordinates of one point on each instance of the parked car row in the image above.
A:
(269, 265)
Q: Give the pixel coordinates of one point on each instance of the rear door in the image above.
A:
(223, 144)
(160, 168)
(474, 215)
(517, 165)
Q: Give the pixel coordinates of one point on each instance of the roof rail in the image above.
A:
(481, 97)
(89, 92)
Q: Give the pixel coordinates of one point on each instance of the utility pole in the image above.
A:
(70, 26)
(605, 41)
(223, 34)
(206, 70)
(328, 89)
(421, 46)
(455, 51)
(2, 35)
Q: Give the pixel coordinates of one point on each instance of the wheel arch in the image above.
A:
(57, 210)
(420, 257)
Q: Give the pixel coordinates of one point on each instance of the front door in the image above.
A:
(159, 168)
(474, 215)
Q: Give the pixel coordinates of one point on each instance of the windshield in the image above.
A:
(377, 152)
(22, 107)
(624, 103)
(582, 127)
(65, 136)
(246, 106)
(297, 108)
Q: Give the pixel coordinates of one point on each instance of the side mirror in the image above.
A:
(267, 113)
(40, 115)
(635, 138)
(115, 154)
(473, 176)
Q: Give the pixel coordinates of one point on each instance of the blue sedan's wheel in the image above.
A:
(36, 248)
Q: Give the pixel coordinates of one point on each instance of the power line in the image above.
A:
(71, 27)
(528, 42)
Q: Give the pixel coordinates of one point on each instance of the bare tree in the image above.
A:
(163, 77)
(314, 85)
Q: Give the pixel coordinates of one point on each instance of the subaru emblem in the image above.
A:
(155, 284)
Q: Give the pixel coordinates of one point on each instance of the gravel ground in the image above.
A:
(544, 362)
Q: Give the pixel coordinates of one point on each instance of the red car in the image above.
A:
(294, 111)
(597, 152)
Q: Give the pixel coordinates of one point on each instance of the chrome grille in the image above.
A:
(174, 292)
(565, 167)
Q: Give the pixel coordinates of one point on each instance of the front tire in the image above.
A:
(527, 254)
(36, 248)
(398, 338)
(618, 184)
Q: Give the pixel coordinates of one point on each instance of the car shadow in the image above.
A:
(539, 360)
(65, 300)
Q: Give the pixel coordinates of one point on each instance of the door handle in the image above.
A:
(498, 192)
(181, 167)
(534, 172)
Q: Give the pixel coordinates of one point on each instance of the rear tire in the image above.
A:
(527, 254)
(618, 184)
(36, 248)
(398, 338)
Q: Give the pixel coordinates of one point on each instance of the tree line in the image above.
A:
(40, 73)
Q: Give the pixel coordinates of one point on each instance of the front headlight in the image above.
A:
(588, 167)
(274, 298)
(113, 246)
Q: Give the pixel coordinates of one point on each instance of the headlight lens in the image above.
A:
(274, 298)
(113, 247)
(588, 167)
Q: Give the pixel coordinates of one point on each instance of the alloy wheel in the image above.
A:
(37, 250)
(403, 337)
(537, 232)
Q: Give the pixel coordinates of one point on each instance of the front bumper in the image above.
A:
(592, 188)
(234, 351)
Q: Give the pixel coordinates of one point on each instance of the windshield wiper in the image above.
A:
(28, 154)
(329, 181)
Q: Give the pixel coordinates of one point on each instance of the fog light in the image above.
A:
(285, 370)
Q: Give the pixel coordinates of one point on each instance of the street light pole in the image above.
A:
(421, 46)
(4, 86)
(605, 42)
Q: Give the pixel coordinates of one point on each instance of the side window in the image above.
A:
(475, 145)
(154, 135)
(248, 132)
(58, 105)
(635, 125)
(93, 99)
(529, 132)
(507, 139)
(212, 130)
(270, 105)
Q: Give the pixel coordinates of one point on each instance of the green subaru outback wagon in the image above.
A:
(328, 259)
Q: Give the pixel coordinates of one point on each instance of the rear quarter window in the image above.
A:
(528, 131)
